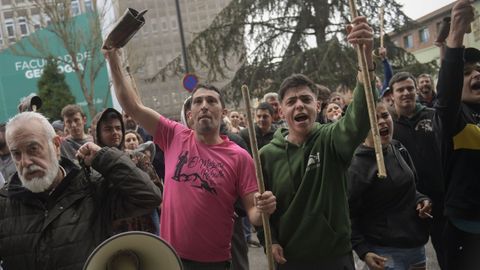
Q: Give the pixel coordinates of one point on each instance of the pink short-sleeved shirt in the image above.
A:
(202, 183)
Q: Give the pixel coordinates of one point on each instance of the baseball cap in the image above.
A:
(384, 92)
(58, 125)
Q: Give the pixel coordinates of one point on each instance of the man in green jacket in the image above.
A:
(305, 167)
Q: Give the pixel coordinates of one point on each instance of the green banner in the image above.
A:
(19, 74)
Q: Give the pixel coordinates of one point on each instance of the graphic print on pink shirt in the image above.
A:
(214, 170)
(202, 183)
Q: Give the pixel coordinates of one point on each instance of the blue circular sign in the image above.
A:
(190, 81)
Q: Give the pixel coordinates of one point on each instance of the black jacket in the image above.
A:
(457, 126)
(425, 103)
(383, 211)
(417, 135)
(59, 231)
(262, 139)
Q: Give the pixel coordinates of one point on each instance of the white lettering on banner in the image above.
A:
(36, 73)
(34, 68)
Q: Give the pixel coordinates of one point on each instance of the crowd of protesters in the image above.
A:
(193, 183)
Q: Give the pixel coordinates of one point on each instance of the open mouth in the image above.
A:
(476, 86)
(384, 131)
(300, 117)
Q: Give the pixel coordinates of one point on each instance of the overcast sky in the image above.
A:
(417, 8)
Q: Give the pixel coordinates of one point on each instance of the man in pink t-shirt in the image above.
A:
(204, 175)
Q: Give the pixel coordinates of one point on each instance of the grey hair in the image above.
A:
(26, 117)
(270, 95)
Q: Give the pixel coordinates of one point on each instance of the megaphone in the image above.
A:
(30, 103)
(133, 250)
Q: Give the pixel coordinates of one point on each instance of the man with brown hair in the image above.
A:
(74, 120)
(272, 99)
(305, 166)
(205, 173)
(413, 124)
(426, 90)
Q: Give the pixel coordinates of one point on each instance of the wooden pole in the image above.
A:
(258, 171)
(362, 60)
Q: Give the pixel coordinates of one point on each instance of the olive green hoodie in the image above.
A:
(311, 222)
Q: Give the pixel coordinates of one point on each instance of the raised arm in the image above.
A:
(387, 69)
(450, 78)
(126, 95)
(127, 190)
(353, 128)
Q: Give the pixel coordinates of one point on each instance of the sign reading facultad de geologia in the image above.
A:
(33, 68)
(19, 74)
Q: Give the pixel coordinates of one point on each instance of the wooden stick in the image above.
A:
(362, 59)
(382, 33)
(258, 171)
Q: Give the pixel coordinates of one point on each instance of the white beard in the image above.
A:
(41, 184)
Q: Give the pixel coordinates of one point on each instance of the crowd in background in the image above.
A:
(193, 182)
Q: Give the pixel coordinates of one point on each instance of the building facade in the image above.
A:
(420, 40)
(158, 43)
(19, 18)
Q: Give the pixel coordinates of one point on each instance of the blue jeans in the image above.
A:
(247, 228)
(401, 258)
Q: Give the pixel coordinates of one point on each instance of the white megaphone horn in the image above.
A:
(133, 250)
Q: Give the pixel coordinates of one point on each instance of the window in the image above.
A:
(75, 8)
(22, 24)
(438, 25)
(61, 10)
(424, 35)
(10, 27)
(408, 41)
(154, 25)
(36, 21)
(164, 25)
(159, 61)
(88, 5)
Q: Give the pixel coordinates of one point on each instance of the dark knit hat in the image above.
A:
(472, 55)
